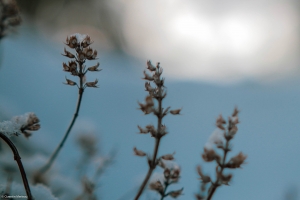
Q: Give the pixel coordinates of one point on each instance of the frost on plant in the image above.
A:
(22, 124)
(220, 139)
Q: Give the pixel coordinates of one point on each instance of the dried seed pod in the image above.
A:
(168, 156)
(167, 173)
(94, 68)
(66, 67)
(68, 54)
(148, 77)
(157, 186)
(143, 130)
(236, 161)
(150, 66)
(175, 112)
(139, 152)
(69, 82)
(92, 84)
(176, 193)
(204, 178)
(210, 155)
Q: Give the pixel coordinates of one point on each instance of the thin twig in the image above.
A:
(153, 163)
(216, 184)
(18, 160)
(61, 144)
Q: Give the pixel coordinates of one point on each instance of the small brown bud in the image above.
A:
(176, 193)
(148, 77)
(204, 178)
(92, 84)
(73, 65)
(68, 54)
(149, 101)
(232, 131)
(34, 127)
(175, 112)
(236, 161)
(94, 68)
(157, 186)
(142, 130)
(66, 67)
(220, 121)
(81, 56)
(175, 175)
(210, 155)
(224, 178)
(150, 66)
(152, 130)
(71, 42)
(139, 152)
(86, 42)
(168, 156)
(69, 82)
(235, 112)
(167, 173)
(93, 56)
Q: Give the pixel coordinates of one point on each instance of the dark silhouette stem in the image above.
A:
(153, 163)
(61, 144)
(216, 184)
(19, 162)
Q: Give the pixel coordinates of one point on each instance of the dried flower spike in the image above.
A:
(81, 45)
(153, 104)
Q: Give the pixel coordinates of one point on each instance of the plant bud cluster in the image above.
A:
(210, 155)
(170, 176)
(81, 44)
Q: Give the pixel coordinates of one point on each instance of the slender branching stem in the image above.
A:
(153, 163)
(19, 162)
(165, 190)
(216, 184)
(48, 165)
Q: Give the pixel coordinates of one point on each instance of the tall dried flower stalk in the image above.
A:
(81, 44)
(158, 93)
(9, 16)
(210, 155)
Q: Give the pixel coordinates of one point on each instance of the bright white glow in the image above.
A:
(240, 35)
(226, 46)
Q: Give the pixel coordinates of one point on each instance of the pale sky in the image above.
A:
(215, 42)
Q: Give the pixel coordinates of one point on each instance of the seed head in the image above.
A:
(175, 112)
(139, 152)
(176, 193)
(69, 82)
(236, 161)
(92, 84)
(94, 68)
(204, 178)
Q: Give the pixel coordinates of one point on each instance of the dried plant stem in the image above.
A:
(18, 160)
(216, 184)
(61, 144)
(165, 190)
(152, 163)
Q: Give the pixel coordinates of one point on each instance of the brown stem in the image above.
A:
(55, 153)
(214, 185)
(152, 164)
(19, 162)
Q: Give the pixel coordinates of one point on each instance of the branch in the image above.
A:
(18, 160)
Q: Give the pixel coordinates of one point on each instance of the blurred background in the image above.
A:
(215, 55)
